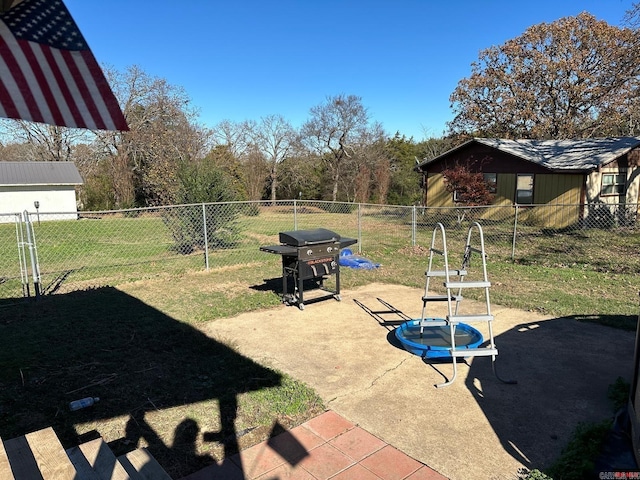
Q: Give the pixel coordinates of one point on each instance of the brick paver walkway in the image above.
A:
(327, 447)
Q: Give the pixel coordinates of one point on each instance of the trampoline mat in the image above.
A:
(439, 336)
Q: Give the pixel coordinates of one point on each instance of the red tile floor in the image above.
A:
(326, 447)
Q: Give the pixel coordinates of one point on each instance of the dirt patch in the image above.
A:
(261, 238)
(414, 251)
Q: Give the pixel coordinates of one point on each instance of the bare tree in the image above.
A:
(336, 132)
(14, 152)
(367, 174)
(632, 16)
(300, 177)
(236, 139)
(565, 79)
(235, 136)
(163, 134)
(256, 171)
(43, 143)
(274, 137)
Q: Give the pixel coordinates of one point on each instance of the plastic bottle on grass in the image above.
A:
(83, 403)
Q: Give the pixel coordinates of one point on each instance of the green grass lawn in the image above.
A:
(583, 272)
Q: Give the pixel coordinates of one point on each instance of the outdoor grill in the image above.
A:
(309, 255)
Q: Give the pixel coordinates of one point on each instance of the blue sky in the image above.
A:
(246, 59)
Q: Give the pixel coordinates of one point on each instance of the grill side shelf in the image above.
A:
(346, 241)
(280, 249)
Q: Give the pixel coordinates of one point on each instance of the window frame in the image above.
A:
(618, 187)
(518, 190)
(491, 179)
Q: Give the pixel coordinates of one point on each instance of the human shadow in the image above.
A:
(564, 368)
(138, 361)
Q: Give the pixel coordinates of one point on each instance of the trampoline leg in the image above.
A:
(452, 333)
(453, 377)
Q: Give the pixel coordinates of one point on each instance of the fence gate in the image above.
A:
(28, 255)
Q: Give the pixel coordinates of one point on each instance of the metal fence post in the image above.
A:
(24, 268)
(206, 238)
(413, 225)
(515, 229)
(359, 228)
(33, 253)
(295, 215)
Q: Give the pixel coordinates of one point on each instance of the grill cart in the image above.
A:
(309, 255)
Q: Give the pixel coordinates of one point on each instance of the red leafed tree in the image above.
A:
(469, 189)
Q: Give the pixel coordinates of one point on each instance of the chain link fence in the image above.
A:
(111, 247)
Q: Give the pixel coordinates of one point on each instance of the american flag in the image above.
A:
(48, 73)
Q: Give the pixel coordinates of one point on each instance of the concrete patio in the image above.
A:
(477, 427)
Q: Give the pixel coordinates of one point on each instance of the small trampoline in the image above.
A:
(435, 341)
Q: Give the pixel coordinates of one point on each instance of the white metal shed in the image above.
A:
(51, 184)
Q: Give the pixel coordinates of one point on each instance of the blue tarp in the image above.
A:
(348, 259)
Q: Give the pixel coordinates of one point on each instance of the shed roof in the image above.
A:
(587, 154)
(39, 173)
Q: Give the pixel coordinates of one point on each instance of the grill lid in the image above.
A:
(299, 238)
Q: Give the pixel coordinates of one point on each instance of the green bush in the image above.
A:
(577, 460)
(535, 474)
(201, 184)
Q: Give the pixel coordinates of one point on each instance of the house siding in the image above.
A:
(436, 192)
(558, 189)
(505, 188)
(550, 191)
(595, 201)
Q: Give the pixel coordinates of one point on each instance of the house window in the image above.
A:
(614, 183)
(524, 189)
(491, 179)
